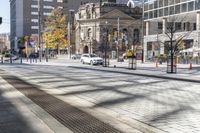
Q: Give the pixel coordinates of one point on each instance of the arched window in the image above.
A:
(89, 33)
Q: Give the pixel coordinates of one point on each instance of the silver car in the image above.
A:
(92, 59)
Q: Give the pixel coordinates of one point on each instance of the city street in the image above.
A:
(126, 101)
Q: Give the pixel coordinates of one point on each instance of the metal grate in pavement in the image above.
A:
(73, 118)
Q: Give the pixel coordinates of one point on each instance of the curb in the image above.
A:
(139, 74)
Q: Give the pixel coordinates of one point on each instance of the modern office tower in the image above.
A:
(185, 16)
(25, 16)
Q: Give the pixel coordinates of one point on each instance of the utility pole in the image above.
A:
(70, 25)
(143, 57)
(69, 39)
(118, 39)
(39, 31)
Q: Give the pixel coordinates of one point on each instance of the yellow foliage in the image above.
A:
(56, 37)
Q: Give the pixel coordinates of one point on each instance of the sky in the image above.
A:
(5, 13)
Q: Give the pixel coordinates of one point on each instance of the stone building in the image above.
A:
(4, 42)
(96, 28)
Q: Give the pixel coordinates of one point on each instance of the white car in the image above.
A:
(92, 59)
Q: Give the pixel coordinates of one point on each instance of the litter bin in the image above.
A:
(120, 59)
(170, 68)
(132, 63)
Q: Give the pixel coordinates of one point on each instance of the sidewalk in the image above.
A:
(18, 114)
(143, 69)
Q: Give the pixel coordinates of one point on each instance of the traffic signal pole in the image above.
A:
(118, 39)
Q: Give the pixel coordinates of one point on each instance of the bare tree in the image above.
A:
(175, 42)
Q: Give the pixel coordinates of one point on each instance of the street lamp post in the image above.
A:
(106, 44)
(71, 11)
(118, 39)
(47, 49)
(39, 32)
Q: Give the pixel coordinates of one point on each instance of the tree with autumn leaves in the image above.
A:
(56, 37)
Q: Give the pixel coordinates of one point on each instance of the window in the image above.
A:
(178, 25)
(34, 20)
(146, 15)
(150, 14)
(184, 7)
(171, 2)
(155, 13)
(34, 6)
(150, 6)
(194, 26)
(197, 4)
(177, 1)
(48, 7)
(160, 12)
(166, 11)
(61, 1)
(171, 10)
(165, 2)
(160, 25)
(34, 13)
(145, 7)
(177, 9)
(155, 4)
(47, 13)
(160, 3)
(34, 27)
(48, 0)
(191, 6)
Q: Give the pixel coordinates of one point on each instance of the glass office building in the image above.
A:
(162, 8)
(185, 16)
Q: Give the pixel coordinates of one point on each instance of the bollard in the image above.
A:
(21, 60)
(2, 60)
(190, 67)
(157, 63)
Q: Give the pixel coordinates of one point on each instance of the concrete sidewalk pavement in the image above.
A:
(18, 114)
(143, 69)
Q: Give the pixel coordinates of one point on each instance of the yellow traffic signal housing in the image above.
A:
(122, 35)
(120, 46)
(109, 37)
(115, 34)
(180, 41)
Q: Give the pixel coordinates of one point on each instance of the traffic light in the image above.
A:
(109, 37)
(122, 35)
(115, 34)
(180, 41)
(0, 20)
(120, 46)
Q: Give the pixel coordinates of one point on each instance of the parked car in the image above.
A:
(92, 59)
(76, 56)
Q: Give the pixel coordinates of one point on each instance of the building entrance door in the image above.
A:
(85, 49)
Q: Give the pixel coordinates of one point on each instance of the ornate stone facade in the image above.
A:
(96, 26)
